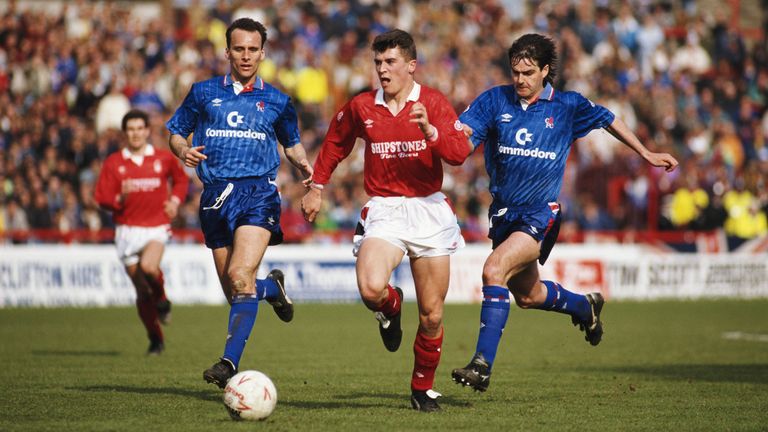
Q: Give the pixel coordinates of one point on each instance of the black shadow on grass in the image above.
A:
(354, 400)
(76, 353)
(206, 395)
(741, 373)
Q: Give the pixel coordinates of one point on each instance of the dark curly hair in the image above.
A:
(538, 48)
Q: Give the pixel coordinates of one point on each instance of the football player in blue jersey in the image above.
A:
(236, 122)
(528, 129)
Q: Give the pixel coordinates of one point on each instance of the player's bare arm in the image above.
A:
(419, 116)
(297, 155)
(191, 156)
(621, 131)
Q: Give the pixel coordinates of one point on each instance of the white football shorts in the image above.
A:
(419, 226)
(131, 240)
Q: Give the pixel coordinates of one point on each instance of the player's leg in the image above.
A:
(146, 308)
(376, 259)
(272, 289)
(584, 309)
(221, 262)
(547, 295)
(236, 265)
(514, 255)
(431, 276)
(149, 264)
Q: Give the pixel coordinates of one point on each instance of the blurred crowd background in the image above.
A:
(689, 78)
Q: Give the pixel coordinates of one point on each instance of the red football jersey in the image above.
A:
(399, 161)
(145, 186)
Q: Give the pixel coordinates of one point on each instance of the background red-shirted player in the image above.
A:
(133, 184)
(408, 131)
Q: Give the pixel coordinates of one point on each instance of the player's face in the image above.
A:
(245, 53)
(137, 132)
(528, 79)
(394, 71)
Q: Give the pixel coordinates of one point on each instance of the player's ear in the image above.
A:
(226, 53)
(412, 66)
(545, 71)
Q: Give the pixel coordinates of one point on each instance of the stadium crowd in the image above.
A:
(683, 78)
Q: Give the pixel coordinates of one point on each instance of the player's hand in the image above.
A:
(171, 208)
(467, 130)
(664, 160)
(306, 169)
(419, 116)
(310, 204)
(193, 156)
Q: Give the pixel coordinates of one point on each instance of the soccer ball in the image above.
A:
(250, 395)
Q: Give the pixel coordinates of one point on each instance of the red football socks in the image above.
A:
(148, 314)
(391, 305)
(158, 287)
(426, 358)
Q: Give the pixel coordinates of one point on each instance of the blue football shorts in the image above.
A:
(542, 222)
(227, 205)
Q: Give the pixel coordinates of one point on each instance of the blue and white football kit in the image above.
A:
(525, 153)
(526, 149)
(240, 129)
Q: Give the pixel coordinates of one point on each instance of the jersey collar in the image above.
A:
(547, 94)
(239, 88)
(149, 150)
(412, 96)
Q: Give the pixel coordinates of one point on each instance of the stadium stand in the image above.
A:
(690, 80)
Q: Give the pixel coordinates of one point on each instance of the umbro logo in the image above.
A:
(271, 220)
(217, 102)
(368, 123)
(506, 118)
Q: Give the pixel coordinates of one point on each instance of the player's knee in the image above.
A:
(150, 269)
(371, 293)
(238, 277)
(493, 273)
(431, 321)
(372, 297)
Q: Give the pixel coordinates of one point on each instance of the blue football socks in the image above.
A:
(561, 300)
(493, 318)
(267, 289)
(242, 315)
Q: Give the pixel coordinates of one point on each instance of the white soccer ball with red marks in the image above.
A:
(250, 395)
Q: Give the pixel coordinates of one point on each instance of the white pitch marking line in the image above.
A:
(753, 337)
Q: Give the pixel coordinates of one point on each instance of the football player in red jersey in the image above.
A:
(408, 129)
(133, 184)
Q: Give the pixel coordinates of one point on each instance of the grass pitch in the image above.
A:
(661, 366)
